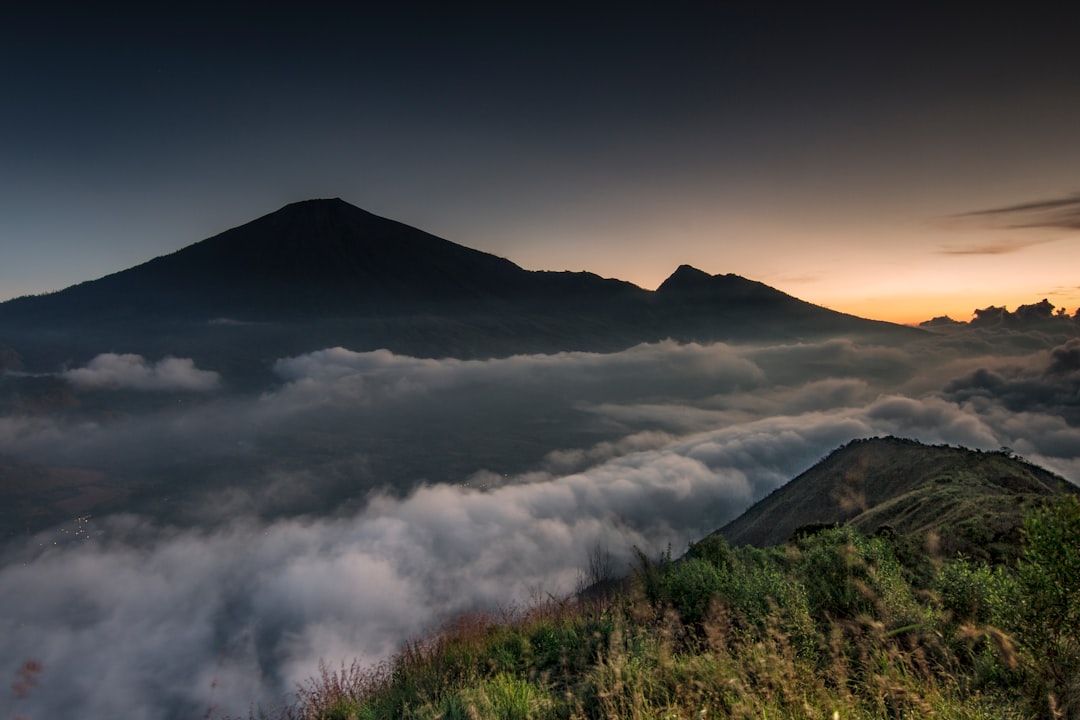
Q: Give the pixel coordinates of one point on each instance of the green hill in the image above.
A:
(961, 500)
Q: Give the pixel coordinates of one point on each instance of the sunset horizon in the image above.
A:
(853, 289)
(881, 162)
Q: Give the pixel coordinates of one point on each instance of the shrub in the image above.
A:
(847, 575)
(977, 593)
(762, 595)
(690, 586)
(712, 549)
(1049, 582)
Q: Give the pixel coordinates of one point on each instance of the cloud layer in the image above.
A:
(510, 472)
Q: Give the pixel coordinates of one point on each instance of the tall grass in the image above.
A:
(832, 625)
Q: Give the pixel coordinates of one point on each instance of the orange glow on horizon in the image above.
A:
(913, 310)
(904, 311)
(909, 308)
(891, 304)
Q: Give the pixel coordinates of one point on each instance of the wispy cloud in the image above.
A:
(1062, 290)
(1062, 213)
(1059, 213)
(1001, 247)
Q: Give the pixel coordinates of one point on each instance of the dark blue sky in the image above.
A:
(822, 153)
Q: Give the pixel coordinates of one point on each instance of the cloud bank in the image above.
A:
(154, 617)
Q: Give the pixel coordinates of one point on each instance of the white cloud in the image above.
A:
(256, 605)
(658, 444)
(133, 372)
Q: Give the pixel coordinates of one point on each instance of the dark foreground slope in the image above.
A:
(321, 273)
(968, 500)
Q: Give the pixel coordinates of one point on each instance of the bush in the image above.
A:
(847, 574)
(762, 595)
(689, 586)
(713, 549)
(1049, 582)
(977, 593)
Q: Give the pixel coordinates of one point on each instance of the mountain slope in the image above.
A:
(968, 500)
(320, 273)
(314, 257)
(693, 302)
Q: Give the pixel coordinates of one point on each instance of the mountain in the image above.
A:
(966, 500)
(319, 257)
(320, 273)
(693, 301)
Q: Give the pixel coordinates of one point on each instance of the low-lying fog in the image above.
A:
(367, 497)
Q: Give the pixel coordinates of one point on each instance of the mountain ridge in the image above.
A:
(339, 275)
(962, 500)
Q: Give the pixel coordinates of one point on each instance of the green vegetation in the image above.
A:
(972, 502)
(836, 624)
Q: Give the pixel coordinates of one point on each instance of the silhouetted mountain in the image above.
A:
(694, 304)
(320, 257)
(323, 272)
(964, 500)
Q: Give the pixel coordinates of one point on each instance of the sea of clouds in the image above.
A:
(653, 446)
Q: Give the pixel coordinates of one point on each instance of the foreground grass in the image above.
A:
(835, 625)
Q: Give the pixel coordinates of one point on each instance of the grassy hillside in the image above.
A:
(834, 624)
(831, 626)
(961, 500)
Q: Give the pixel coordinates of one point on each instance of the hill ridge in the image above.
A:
(965, 500)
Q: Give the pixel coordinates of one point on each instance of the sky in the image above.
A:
(896, 164)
